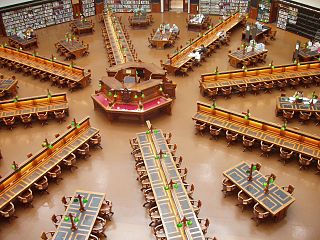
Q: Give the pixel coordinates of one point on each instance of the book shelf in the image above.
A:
(299, 18)
(223, 7)
(88, 8)
(37, 16)
(127, 5)
(264, 8)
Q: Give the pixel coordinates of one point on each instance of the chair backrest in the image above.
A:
(290, 189)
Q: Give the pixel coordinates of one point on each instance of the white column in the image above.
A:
(189, 6)
(162, 6)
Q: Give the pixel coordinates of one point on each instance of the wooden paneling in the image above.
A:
(253, 13)
(194, 8)
(155, 7)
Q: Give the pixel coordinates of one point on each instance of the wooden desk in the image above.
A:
(14, 183)
(271, 133)
(121, 50)
(34, 105)
(259, 35)
(18, 42)
(258, 75)
(140, 21)
(8, 87)
(307, 55)
(236, 58)
(80, 27)
(197, 26)
(173, 204)
(74, 47)
(55, 68)
(160, 40)
(276, 201)
(178, 59)
(283, 103)
(86, 218)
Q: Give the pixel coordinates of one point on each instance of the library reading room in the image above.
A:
(159, 119)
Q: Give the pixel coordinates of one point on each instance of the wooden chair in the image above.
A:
(289, 189)
(244, 199)
(255, 88)
(228, 187)
(42, 117)
(83, 151)
(273, 35)
(55, 173)
(242, 89)
(9, 122)
(159, 233)
(72, 85)
(285, 155)
(318, 167)
(260, 214)
(183, 173)
(95, 141)
(282, 84)
(155, 216)
(26, 119)
(60, 115)
(8, 212)
(42, 185)
(26, 198)
(66, 201)
(56, 219)
(317, 115)
(266, 149)
(106, 209)
(306, 81)
(98, 227)
(70, 161)
(304, 161)
(303, 117)
(268, 87)
(226, 92)
(231, 137)
(204, 224)
(196, 205)
(214, 132)
(200, 127)
(190, 189)
(47, 235)
(177, 160)
(294, 82)
(212, 93)
(247, 143)
(287, 115)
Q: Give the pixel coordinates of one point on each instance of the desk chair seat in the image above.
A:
(8, 212)
(317, 115)
(318, 167)
(83, 151)
(72, 85)
(56, 219)
(43, 118)
(55, 173)
(95, 141)
(155, 216)
(9, 122)
(98, 227)
(226, 92)
(190, 189)
(228, 187)
(247, 143)
(70, 161)
(306, 81)
(287, 115)
(285, 155)
(26, 119)
(159, 233)
(304, 161)
(42, 185)
(26, 198)
(282, 84)
(215, 132)
(183, 173)
(268, 86)
(106, 210)
(242, 89)
(294, 82)
(66, 201)
(200, 127)
(255, 88)
(304, 117)
(204, 224)
(60, 115)
(289, 189)
(231, 137)
(196, 205)
(149, 198)
(244, 199)
(265, 148)
(212, 93)
(47, 235)
(260, 214)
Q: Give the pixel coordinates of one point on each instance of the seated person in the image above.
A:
(167, 27)
(21, 35)
(221, 34)
(298, 95)
(174, 29)
(196, 55)
(202, 49)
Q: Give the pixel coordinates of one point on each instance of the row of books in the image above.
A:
(128, 5)
(223, 7)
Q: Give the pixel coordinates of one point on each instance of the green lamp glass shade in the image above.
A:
(189, 223)
(115, 95)
(78, 125)
(136, 96)
(254, 167)
(265, 184)
(110, 94)
(147, 132)
(75, 200)
(50, 146)
(85, 200)
(271, 180)
(179, 225)
(160, 89)
(66, 219)
(166, 188)
(73, 124)
(76, 219)
(142, 95)
(176, 185)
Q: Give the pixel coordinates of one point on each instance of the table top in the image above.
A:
(266, 77)
(274, 201)
(6, 84)
(86, 218)
(173, 204)
(285, 103)
(305, 53)
(73, 45)
(14, 183)
(241, 56)
(259, 129)
(34, 105)
(158, 36)
(56, 68)
(140, 19)
(23, 41)
(82, 24)
(120, 47)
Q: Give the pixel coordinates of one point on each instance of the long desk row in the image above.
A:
(54, 68)
(296, 141)
(279, 76)
(173, 204)
(38, 165)
(8, 87)
(120, 47)
(182, 56)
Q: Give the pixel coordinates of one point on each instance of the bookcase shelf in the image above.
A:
(88, 8)
(128, 5)
(223, 7)
(264, 8)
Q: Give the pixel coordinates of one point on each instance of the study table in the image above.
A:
(26, 43)
(197, 23)
(82, 26)
(35, 167)
(83, 220)
(173, 204)
(297, 141)
(258, 75)
(8, 87)
(259, 34)
(177, 60)
(120, 48)
(160, 39)
(308, 55)
(34, 105)
(74, 47)
(276, 201)
(237, 58)
(55, 68)
(290, 104)
(139, 21)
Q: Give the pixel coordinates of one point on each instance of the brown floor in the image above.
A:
(112, 170)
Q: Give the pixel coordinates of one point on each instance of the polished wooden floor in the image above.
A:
(111, 170)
